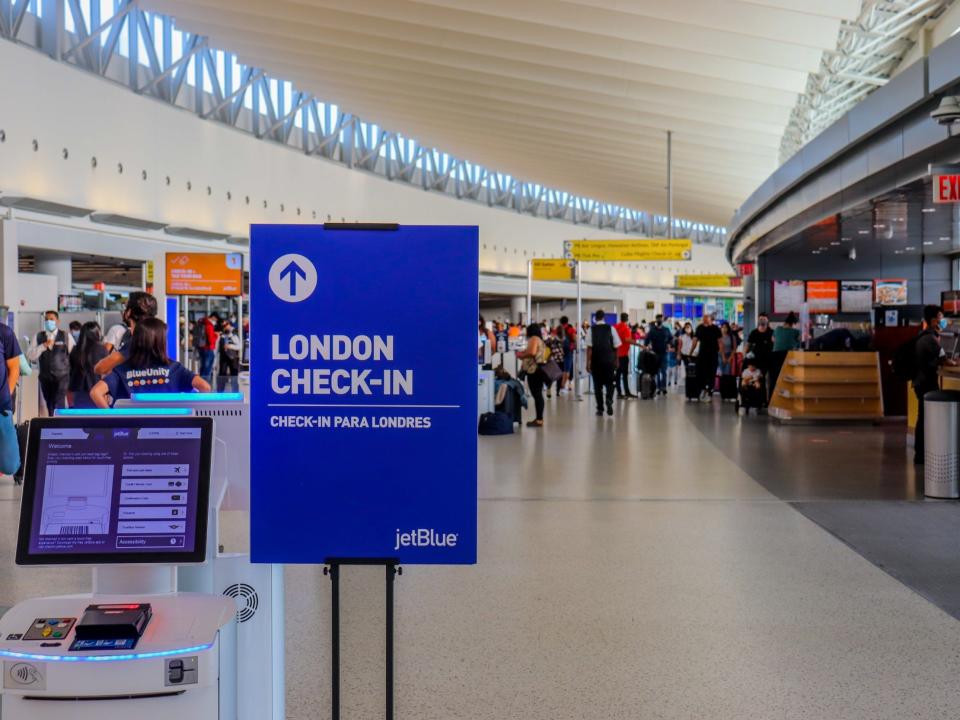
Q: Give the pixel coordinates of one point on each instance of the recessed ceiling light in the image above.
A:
(928, 242)
(910, 247)
(944, 238)
(929, 210)
(863, 232)
(834, 242)
(878, 226)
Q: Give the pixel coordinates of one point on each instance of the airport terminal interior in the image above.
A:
(703, 460)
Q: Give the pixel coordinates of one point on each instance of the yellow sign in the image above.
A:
(698, 281)
(550, 269)
(627, 250)
(149, 272)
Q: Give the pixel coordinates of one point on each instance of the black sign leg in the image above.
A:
(391, 572)
(332, 569)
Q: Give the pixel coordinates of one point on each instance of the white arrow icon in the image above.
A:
(293, 277)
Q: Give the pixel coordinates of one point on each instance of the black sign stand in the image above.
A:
(332, 570)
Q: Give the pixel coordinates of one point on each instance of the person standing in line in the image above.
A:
(622, 375)
(553, 339)
(602, 343)
(51, 350)
(785, 338)
(140, 306)
(928, 359)
(706, 346)
(759, 346)
(205, 343)
(685, 345)
(568, 335)
(229, 350)
(531, 359)
(75, 328)
(485, 339)
(658, 340)
(84, 357)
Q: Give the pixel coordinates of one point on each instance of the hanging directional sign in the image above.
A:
(552, 269)
(706, 280)
(627, 250)
(363, 436)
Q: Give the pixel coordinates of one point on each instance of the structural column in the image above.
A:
(61, 266)
(518, 310)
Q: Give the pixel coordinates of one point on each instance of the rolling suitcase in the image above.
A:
(692, 386)
(728, 387)
(647, 386)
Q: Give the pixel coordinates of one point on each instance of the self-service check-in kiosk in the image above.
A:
(256, 589)
(129, 496)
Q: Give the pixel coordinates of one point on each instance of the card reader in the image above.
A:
(111, 627)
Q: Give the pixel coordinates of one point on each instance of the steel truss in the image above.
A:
(869, 50)
(147, 53)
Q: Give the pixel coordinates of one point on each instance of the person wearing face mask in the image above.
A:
(140, 306)
(229, 351)
(658, 340)
(75, 330)
(51, 351)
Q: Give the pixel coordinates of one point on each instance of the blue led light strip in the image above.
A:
(113, 412)
(102, 658)
(188, 397)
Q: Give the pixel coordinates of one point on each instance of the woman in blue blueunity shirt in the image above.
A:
(147, 369)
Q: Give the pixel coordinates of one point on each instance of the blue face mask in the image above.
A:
(50, 325)
(943, 323)
(75, 334)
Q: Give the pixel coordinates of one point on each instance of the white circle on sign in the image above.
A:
(293, 278)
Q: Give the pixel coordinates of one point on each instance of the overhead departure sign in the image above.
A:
(627, 250)
(363, 437)
(697, 281)
(945, 182)
(552, 269)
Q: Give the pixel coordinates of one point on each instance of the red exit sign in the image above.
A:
(946, 183)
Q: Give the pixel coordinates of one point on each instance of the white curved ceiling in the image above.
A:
(573, 94)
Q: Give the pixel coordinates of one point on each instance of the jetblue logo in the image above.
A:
(293, 278)
(424, 537)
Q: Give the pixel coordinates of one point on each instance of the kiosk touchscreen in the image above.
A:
(129, 496)
(115, 490)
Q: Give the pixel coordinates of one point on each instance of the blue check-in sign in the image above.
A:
(363, 393)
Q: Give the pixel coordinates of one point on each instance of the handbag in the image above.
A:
(9, 447)
(552, 371)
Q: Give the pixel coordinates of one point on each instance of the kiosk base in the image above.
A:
(183, 666)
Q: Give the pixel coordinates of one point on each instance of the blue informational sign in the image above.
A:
(363, 437)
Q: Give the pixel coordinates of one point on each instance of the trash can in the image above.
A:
(941, 437)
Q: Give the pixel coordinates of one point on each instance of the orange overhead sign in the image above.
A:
(204, 273)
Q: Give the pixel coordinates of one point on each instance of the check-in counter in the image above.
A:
(828, 386)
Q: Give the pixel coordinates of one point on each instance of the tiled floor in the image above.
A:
(629, 568)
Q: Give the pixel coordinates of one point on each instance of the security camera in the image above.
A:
(948, 111)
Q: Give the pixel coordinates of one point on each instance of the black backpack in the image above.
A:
(904, 362)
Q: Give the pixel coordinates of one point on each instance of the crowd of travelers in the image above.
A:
(709, 358)
(82, 366)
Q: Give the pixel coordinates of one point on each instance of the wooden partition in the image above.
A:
(828, 386)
